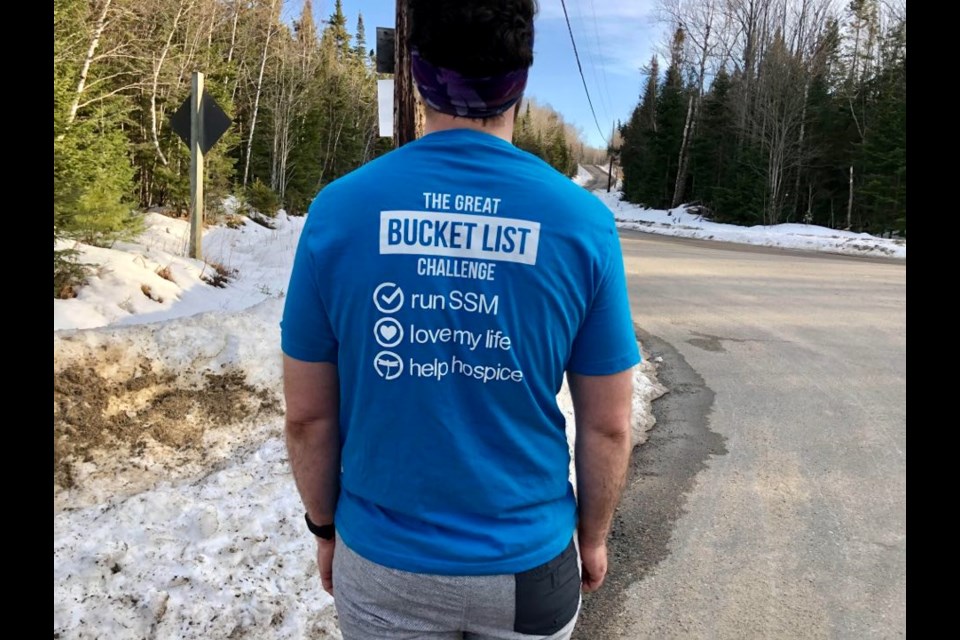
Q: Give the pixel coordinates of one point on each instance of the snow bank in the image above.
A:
(582, 177)
(127, 286)
(683, 224)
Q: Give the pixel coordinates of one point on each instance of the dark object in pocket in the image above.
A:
(547, 596)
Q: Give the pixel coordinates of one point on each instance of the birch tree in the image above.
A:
(270, 27)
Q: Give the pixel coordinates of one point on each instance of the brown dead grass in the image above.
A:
(147, 291)
(234, 221)
(93, 414)
(67, 292)
(220, 275)
(164, 272)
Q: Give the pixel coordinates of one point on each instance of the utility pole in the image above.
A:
(611, 150)
(404, 104)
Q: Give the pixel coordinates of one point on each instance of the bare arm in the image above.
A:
(602, 408)
(312, 391)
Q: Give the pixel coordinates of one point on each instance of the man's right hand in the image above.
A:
(594, 566)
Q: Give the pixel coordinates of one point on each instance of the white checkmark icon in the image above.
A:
(388, 297)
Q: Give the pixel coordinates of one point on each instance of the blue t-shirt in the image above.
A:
(453, 281)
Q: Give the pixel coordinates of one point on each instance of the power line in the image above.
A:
(590, 58)
(605, 96)
(580, 67)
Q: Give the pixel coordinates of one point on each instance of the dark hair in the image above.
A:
(476, 38)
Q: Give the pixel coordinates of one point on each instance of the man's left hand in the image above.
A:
(325, 549)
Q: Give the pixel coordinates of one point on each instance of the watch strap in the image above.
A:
(325, 532)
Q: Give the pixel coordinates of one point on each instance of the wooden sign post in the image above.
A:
(199, 122)
(196, 167)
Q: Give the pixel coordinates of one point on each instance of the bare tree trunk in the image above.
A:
(680, 182)
(282, 182)
(256, 99)
(854, 68)
(760, 55)
(747, 14)
(241, 70)
(326, 153)
(336, 141)
(803, 128)
(798, 42)
(693, 107)
(697, 22)
(85, 69)
(777, 196)
(285, 152)
(158, 65)
(213, 23)
(277, 124)
(285, 120)
(233, 31)
(277, 109)
(850, 201)
(368, 145)
(190, 47)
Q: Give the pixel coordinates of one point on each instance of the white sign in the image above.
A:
(385, 107)
(459, 235)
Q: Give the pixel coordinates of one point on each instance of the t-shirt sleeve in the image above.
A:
(606, 343)
(305, 330)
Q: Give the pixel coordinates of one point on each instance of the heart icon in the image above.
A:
(388, 332)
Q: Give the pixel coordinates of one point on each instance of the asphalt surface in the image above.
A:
(770, 500)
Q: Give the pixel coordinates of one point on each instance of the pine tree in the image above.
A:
(306, 29)
(805, 100)
(883, 153)
(542, 131)
(637, 153)
(93, 177)
(671, 113)
(833, 134)
(337, 30)
(558, 153)
(714, 151)
(523, 136)
(360, 40)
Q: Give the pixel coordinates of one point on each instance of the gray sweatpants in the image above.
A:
(379, 603)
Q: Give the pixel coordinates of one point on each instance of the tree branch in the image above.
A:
(136, 85)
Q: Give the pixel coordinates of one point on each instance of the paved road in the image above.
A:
(770, 501)
(598, 175)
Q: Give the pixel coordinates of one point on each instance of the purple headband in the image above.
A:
(449, 92)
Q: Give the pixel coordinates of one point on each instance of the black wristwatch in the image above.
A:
(325, 532)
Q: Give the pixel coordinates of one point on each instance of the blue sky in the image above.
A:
(614, 37)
